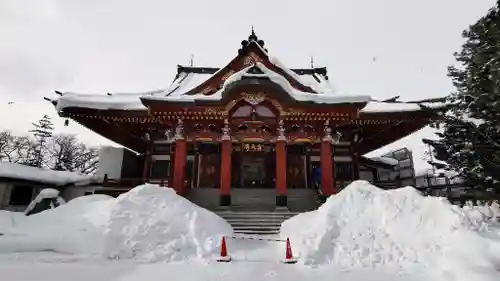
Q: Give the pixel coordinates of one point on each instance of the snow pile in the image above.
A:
(488, 212)
(364, 226)
(9, 219)
(75, 228)
(148, 223)
(155, 224)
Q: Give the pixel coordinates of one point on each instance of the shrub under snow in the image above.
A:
(48, 198)
(148, 223)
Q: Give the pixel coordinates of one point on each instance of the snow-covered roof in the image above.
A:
(317, 88)
(320, 97)
(380, 106)
(44, 176)
(101, 101)
(385, 160)
(317, 82)
(187, 81)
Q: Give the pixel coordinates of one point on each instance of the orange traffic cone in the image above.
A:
(288, 254)
(224, 257)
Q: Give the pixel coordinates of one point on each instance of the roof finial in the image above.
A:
(191, 60)
(312, 62)
(253, 36)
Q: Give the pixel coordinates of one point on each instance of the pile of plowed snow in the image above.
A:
(148, 223)
(364, 226)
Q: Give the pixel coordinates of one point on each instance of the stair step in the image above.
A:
(256, 232)
(254, 220)
(237, 213)
(277, 227)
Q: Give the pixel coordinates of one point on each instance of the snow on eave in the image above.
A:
(278, 63)
(186, 83)
(320, 85)
(390, 107)
(237, 76)
(320, 98)
(44, 176)
(429, 172)
(121, 101)
(385, 160)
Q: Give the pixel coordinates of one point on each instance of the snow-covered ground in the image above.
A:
(150, 233)
(147, 224)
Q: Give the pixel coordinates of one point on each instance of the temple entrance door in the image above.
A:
(256, 187)
(253, 171)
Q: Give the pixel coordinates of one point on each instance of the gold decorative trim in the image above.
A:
(203, 139)
(252, 140)
(214, 111)
(253, 98)
(300, 140)
(251, 59)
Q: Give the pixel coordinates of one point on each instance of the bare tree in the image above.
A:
(28, 151)
(6, 146)
(59, 152)
(14, 149)
(68, 154)
(87, 159)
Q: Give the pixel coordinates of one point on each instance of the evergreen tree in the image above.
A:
(470, 139)
(42, 132)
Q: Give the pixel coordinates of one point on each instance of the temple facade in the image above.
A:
(253, 124)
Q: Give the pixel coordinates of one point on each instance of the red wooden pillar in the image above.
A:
(327, 172)
(225, 172)
(281, 194)
(147, 166)
(180, 156)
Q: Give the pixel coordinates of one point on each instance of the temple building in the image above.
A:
(251, 132)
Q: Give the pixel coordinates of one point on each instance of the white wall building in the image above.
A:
(19, 184)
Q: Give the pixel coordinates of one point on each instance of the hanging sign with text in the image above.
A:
(252, 147)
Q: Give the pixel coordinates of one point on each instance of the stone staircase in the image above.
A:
(254, 210)
(255, 222)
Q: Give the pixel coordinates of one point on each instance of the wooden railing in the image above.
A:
(453, 189)
(123, 183)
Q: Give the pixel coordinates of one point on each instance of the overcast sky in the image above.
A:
(381, 48)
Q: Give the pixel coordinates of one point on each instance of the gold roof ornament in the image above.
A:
(253, 98)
